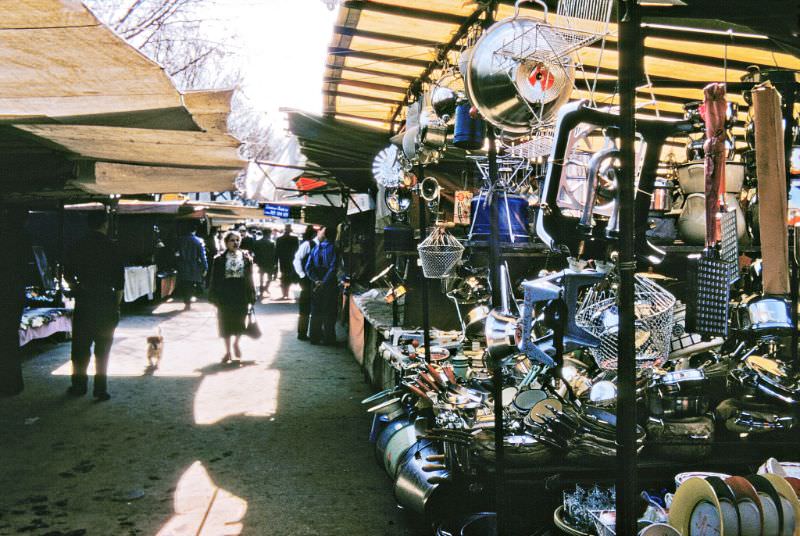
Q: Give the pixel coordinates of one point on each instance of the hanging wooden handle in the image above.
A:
(772, 201)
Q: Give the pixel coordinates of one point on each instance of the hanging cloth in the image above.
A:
(772, 203)
(713, 112)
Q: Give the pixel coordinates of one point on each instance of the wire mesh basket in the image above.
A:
(654, 308)
(439, 253)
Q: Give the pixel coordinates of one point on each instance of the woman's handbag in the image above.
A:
(251, 328)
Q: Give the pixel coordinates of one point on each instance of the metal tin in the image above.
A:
(415, 486)
(766, 315)
(662, 196)
(525, 400)
(393, 442)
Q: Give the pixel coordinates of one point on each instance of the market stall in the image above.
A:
(42, 322)
(628, 317)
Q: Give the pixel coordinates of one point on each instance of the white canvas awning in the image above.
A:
(75, 91)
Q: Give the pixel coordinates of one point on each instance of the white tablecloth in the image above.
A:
(140, 281)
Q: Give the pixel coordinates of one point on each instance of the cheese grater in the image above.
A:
(709, 284)
(729, 245)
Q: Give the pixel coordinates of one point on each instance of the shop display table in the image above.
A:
(42, 322)
(140, 281)
(371, 335)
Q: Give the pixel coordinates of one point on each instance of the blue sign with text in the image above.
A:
(277, 211)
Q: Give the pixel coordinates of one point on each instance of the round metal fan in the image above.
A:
(387, 168)
(517, 76)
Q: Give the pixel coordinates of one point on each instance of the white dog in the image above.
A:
(155, 348)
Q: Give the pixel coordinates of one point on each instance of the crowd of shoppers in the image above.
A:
(225, 261)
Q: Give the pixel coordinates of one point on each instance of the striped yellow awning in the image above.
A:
(380, 49)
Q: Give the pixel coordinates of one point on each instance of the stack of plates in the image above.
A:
(755, 505)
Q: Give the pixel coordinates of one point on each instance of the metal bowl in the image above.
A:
(506, 89)
(443, 102)
(766, 315)
(398, 200)
(692, 180)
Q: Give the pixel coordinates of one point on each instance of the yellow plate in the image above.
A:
(787, 492)
(689, 495)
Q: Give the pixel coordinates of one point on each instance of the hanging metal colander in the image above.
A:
(439, 253)
(654, 308)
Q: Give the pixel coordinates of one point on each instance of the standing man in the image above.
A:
(285, 248)
(264, 253)
(247, 240)
(192, 265)
(321, 271)
(14, 267)
(95, 272)
(299, 263)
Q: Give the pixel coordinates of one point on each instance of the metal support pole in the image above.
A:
(497, 374)
(113, 218)
(630, 68)
(395, 305)
(497, 299)
(426, 321)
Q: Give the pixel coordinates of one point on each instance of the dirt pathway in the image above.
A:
(276, 446)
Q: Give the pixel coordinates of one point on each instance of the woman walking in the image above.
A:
(232, 290)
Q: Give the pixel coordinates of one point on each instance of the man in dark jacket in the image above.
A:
(96, 274)
(192, 266)
(285, 247)
(264, 256)
(321, 271)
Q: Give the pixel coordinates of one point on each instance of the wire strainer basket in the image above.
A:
(654, 308)
(439, 253)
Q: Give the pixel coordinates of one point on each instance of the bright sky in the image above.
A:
(283, 46)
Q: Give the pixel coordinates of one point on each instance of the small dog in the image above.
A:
(155, 347)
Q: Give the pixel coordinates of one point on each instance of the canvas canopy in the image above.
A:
(382, 50)
(82, 112)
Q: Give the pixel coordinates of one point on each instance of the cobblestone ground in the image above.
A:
(275, 446)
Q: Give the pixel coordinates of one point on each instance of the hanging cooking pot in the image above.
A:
(516, 76)
(691, 112)
(512, 217)
(692, 221)
(692, 180)
(476, 322)
(443, 96)
(662, 196)
(433, 135)
(695, 149)
(397, 200)
(469, 131)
